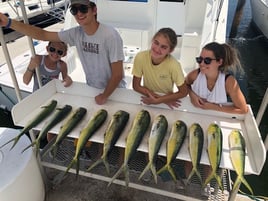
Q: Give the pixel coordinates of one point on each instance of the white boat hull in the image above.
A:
(260, 15)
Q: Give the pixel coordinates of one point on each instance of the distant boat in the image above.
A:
(260, 15)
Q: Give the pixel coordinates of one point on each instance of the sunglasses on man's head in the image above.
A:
(207, 60)
(52, 49)
(81, 8)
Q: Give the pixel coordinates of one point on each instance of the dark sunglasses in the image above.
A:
(207, 60)
(52, 49)
(82, 9)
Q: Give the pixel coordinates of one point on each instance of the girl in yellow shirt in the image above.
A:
(159, 71)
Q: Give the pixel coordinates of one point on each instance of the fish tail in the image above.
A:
(95, 164)
(77, 167)
(73, 162)
(171, 172)
(54, 150)
(153, 169)
(165, 168)
(190, 176)
(9, 142)
(244, 181)
(106, 164)
(198, 175)
(32, 144)
(15, 139)
(126, 171)
(208, 179)
(144, 170)
(218, 179)
(117, 174)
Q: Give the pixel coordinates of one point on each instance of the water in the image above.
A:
(253, 48)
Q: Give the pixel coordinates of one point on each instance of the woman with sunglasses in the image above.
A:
(50, 66)
(99, 46)
(160, 71)
(212, 82)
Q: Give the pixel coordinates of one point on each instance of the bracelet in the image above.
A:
(8, 23)
(30, 70)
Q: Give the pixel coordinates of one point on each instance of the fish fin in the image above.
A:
(153, 169)
(95, 164)
(208, 179)
(117, 174)
(32, 144)
(190, 176)
(126, 171)
(15, 139)
(198, 175)
(218, 179)
(145, 170)
(106, 164)
(77, 167)
(165, 168)
(244, 181)
(171, 172)
(73, 162)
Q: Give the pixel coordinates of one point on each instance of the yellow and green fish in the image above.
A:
(157, 134)
(196, 140)
(173, 146)
(111, 135)
(237, 156)
(214, 149)
(134, 138)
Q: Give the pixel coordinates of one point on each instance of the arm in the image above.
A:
(239, 103)
(29, 30)
(67, 80)
(136, 85)
(233, 90)
(170, 99)
(34, 63)
(117, 76)
(195, 99)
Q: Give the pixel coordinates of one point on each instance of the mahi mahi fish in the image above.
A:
(214, 149)
(138, 129)
(57, 117)
(112, 133)
(93, 125)
(73, 120)
(196, 139)
(45, 112)
(157, 134)
(174, 144)
(237, 156)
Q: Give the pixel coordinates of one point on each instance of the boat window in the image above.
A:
(33, 7)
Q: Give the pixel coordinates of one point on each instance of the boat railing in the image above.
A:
(260, 113)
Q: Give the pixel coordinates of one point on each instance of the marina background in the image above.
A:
(253, 49)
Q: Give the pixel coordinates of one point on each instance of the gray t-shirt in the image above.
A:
(96, 52)
(46, 75)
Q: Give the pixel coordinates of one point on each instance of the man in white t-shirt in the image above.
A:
(99, 46)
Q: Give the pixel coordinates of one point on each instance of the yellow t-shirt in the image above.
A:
(158, 78)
